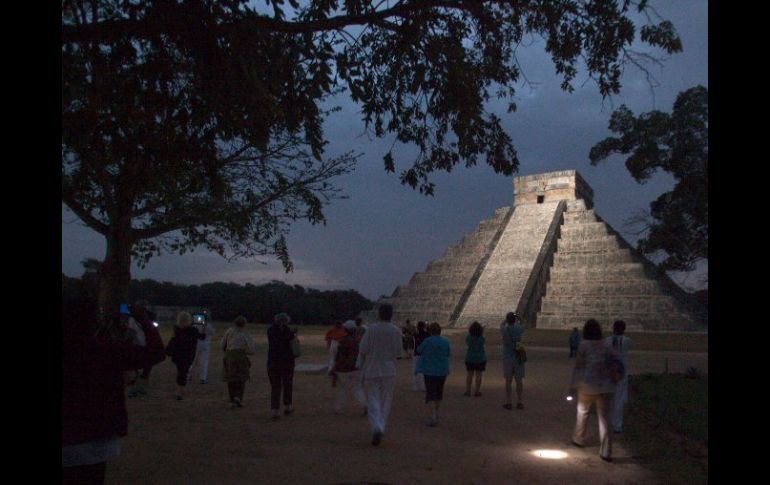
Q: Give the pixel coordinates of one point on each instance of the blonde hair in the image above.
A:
(183, 319)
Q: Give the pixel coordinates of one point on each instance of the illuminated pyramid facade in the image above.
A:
(551, 259)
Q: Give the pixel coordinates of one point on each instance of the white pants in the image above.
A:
(619, 403)
(379, 396)
(332, 354)
(348, 386)
(603, 405)
(201, 360)
(418, 383)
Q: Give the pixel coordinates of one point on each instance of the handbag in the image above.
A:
(521, 353)
(295, 347)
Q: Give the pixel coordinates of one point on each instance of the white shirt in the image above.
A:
(139, 338)
(237, 338)
(379, 349)
(622, 345)
(208, 331)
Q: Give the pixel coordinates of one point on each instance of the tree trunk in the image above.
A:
(115, 271)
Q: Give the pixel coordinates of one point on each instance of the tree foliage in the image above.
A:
(258, 303)
(199, 122)
(676, 143)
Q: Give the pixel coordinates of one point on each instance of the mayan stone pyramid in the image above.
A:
(551, 259)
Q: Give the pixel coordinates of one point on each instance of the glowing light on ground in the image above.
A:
(550, 454)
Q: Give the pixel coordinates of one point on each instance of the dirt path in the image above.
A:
(202, 441)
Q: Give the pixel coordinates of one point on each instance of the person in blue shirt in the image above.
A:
(475, 357)
(574, 342)
(434, 366)
(513, 367)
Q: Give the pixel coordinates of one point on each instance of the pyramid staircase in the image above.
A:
(434, 294)
(551, 259)
(597, 274)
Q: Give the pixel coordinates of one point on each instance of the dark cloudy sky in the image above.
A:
(385, 232)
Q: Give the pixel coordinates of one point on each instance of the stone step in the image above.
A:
(565, 259)
(587, 230)
(611, 304)
(428, 316)
(634, 322)
(578, 217)
(598, 244)
(594, 289)
(619, 271)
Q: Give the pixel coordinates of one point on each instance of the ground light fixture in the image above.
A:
(550, 454)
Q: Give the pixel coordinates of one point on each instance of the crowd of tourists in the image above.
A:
(102, 360)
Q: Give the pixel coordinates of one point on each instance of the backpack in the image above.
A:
(615, 367)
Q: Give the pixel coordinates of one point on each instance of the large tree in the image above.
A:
(676, 226)
(198, 122)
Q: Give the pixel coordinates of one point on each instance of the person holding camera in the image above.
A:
(94, 415)
(280, 365)
(181, 348)
(203, 350)
(513, 366)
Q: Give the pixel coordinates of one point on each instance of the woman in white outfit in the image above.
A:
(592, 383)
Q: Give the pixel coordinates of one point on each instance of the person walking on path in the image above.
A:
(377, 355)
(434, 365)
(280, 365)
(475, 357)
(592, 383)
(181, 348)
(408, 332)
(333, 337)
(574, 341)
(139, 317)
(237, 345)
(513, 367)
(621, 344)
(418, 382)
(348, 381)
(203, 350)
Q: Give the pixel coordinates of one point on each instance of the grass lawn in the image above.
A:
(666, 424)
(671, 341)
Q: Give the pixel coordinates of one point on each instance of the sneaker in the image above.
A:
(203, 381)
(376, 438)
(608, 459)
(575, 443)
(433, 422)
(288, 411)
(237, 402)
(508, 406)
(467, 393)
(477, 394)
(519, 405)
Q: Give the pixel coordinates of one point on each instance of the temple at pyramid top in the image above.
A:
(550, 258)
(552, 186)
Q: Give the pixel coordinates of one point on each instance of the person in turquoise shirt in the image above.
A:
(434, 366)
(475, 357)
